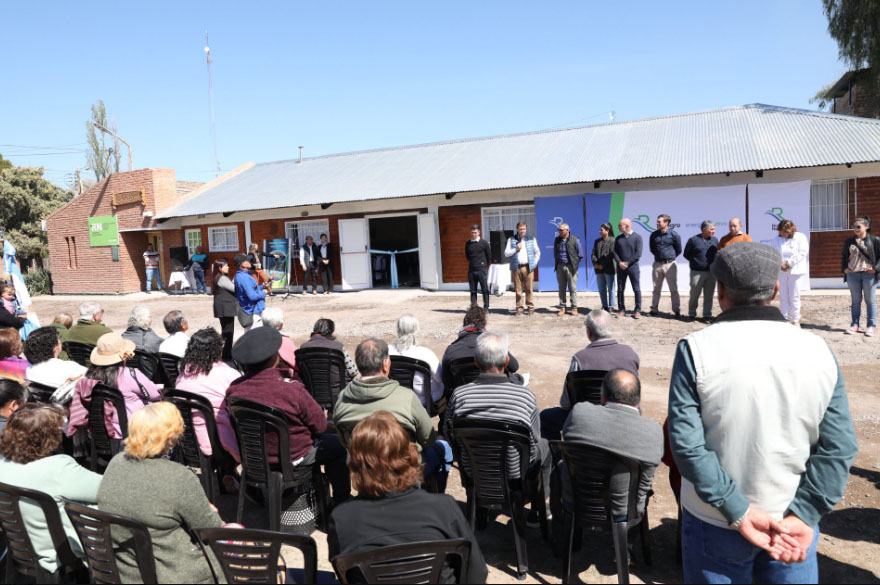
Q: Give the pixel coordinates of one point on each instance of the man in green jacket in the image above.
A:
(89, 327)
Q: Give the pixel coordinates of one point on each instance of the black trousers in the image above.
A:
(227, 330)
(311, 273)
(631, 272)
(326, 276)
(479, 276)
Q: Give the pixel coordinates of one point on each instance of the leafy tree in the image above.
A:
(855, 25)
(4, 164)
(103, 160)
(26, 198)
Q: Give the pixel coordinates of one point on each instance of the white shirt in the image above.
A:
(522, 257)
(430, 358)
(175, 345)
(324, 249)
(54, 372)
(794, 250)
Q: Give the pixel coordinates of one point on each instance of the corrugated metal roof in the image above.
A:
(728, 140)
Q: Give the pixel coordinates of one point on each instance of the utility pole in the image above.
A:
(79, 183)
(211, 98)
(120, 139)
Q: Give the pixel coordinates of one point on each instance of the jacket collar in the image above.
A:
(631, 410)
(751, 313)
(491, 379)
(603, 342)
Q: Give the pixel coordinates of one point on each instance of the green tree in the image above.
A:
(4, 164)
(855, 25)
(102, 159)
(26, 198)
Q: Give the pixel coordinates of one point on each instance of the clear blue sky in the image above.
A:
(343, 76)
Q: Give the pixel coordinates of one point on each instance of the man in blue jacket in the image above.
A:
(251, 297)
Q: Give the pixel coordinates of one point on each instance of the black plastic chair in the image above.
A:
(251, 556)
(21, 556)
(148, 364)
(102, 447)
(322, 371)
(169, 364)
(404, 370)
(584, 386)
(93, 528)
(416, 562)
(189, 452)
(79, 352)
(252, 422)
(40, 393)
(461, 371)
(489, 479)
(590, 470)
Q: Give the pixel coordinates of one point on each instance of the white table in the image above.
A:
(178, 277)
(499, 278)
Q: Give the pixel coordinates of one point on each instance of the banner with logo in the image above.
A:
(277, 264)
(770, 203)
(550, 212)
(103, 231)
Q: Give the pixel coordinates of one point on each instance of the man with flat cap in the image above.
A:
(263, 382)
(760, 428)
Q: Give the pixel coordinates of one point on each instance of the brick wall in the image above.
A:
(864, 102)
(826, 247)
(206, 244)
(455, 229)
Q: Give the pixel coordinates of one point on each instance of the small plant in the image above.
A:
(38, 282)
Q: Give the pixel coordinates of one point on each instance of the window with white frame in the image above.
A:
(297, 231)
(829, 206)
(223, 238)
(506, 218)
(193, 240)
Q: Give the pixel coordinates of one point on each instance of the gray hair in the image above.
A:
(563, 226)
(599, 324)
(407, 327)
(370, 355)
(707, 223)
(622, 387)
(492, 350)
(173, 322)
(140, 318)
(89, 309)
(273, 317)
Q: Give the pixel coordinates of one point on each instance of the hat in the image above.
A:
(748, 267)
(112, 349)
(256, 346)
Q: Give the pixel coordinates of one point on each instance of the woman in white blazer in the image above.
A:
(795, 249)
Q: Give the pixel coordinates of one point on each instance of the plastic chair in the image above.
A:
(461, 371)
(584, 386)
(322, 371)
(21, 556)
(79, 352)
(189, 452)
(169, 364)
(93, 528)
(40, 393)
(251, 556)
(148, 364)
(490, 481)
(404, 370)
(252, 422)
(417, 562)
(590, 470)
(102, 447)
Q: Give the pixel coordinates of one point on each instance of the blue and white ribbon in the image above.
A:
(393, 255)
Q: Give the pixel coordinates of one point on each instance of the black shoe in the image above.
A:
(691, 319)
(654, 314)
(533, 520)
(678, 314)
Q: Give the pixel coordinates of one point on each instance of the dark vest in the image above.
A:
(573, 258)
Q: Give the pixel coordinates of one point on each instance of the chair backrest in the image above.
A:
(590, 470)
(79, 352)
(102, 446)
(584, 386)
(40, 392)
(186, 403)
(148, 364)
(416, 562)
(21, 552)
(404, 370)
(462, 371)
(251, 556)
(322, 370)
(169, 364)
(93, 528)
(492, 448)
(252, 421)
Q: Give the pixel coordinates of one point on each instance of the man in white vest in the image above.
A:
(760, 428)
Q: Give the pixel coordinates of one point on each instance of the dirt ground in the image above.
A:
(850, 543)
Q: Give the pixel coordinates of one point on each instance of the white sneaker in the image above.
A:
(852, 330)
(526, 378)
(870, 332)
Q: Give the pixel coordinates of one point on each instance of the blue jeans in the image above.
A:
(631, 272)
(151, 274)
(863, 284)
(438, 465)
(606, 289)
(201, 285)
(717, 555)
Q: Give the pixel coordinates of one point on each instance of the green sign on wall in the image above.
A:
(103, 231)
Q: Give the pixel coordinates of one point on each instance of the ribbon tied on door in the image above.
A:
(394, 283)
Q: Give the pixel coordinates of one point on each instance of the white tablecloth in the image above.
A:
(499, 278)
(178, 277)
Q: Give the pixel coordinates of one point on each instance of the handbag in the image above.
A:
(244, 319)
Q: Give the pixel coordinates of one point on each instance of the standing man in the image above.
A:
(479, 256)
(308, 259)
(700, 252)
(524, 254)
(251, 296)
(567, 255)
(151, 263)
(627, 252)
(325, 266)
(760, 428)
(735, 236)
(665, 245)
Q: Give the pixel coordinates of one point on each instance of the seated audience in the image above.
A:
(12, 397)
(141, 483)
(603, 354)
(322, 336)
(42, 350)
(390, 508)
(27, 460)
(110, 366)
(11, 365)
(139, 331)
(465, 347)
(62, 323)
(176, 325)
(263, 382)
(618, 426)
(493, 396)
(274, 317)
(88, 327)
(407, 345)
(373, 390)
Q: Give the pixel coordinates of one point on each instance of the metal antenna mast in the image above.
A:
(211, 95)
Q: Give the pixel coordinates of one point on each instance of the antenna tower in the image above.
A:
(211, 96)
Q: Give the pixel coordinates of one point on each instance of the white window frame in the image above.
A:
(508, 217)
(829, 206)
(296, 232)
(191, 246)
(228, 238)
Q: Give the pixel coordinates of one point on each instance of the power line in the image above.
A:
(42, 153)
(44, 147)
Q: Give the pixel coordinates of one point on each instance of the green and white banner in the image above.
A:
(103, 231)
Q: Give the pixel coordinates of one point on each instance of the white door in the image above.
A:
(353, 246)
(428, 252)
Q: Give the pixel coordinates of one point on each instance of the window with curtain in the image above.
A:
(829, 206)
(223, 239)
(297, 231)
(506, 218)
(193, 241)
